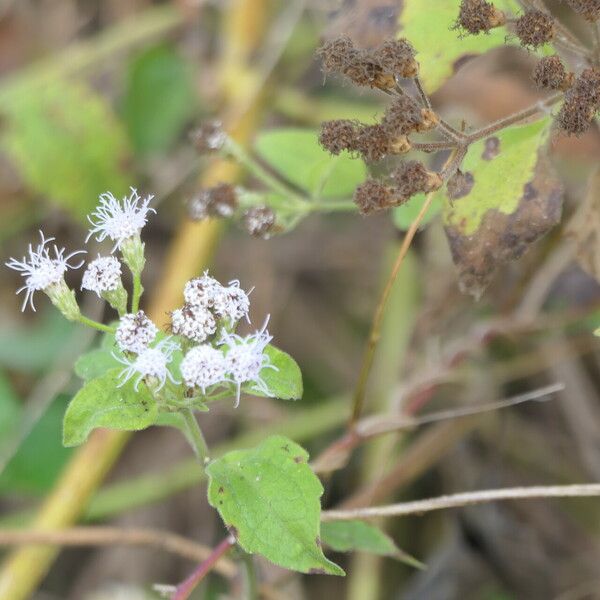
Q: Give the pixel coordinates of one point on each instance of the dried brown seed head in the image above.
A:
(412, 177)
(404, 116)
(218, 201)
(575, 117)
(587, 86)
(476, 16)
(588, 9)
(373, 142)
(338, 135)
(365, 71)
(209, 137)
(550, 73)
(372, 196)
(535, 28)
(259, 221)
(336, 54)
(397, 57)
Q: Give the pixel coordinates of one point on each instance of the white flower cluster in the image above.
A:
(43, 271)
(231, 359)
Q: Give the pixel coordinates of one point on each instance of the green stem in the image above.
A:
(95, 324)
(250, 577)
(137, 292)
(236, 151)
(195, 437)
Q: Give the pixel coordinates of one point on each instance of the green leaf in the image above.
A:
(11, 409)
(32, 349)
(41, 457)
(297, 156)
(102, 403)
(66, 143)
(428, 27)
(284, 382)
(512, 199)
(350, 536)
(404, 215)
(159, 99)
(268, 498)
(94, 364)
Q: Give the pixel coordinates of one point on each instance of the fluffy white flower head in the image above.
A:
(245, 358)
(135, 332)
(151, 362)
(202, 291)
(194, 322)
(102, 275)
(40, 269)
(119, 221)
(232, 302)
(203, 366)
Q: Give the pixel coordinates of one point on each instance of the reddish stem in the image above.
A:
(184, 589)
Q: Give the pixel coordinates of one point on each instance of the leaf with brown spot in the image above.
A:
(515, 199)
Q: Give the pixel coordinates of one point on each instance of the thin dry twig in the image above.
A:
(113, 536)
(464, 499)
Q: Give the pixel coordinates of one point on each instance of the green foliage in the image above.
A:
(94, 364)
(10, 409)
(269, 498)
(428, 26)
(350, 536)
(102, 403)
(297, 156)
(284, 383)
(33, 349)
(159, 99)
(66, 143)
(40, 458)
(404, 215)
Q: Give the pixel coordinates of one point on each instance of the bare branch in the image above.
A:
(113, 536)
(465, 499)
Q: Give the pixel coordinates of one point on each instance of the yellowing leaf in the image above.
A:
(428, 25)
(512, 199)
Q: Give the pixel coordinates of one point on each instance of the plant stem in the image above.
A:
(137, 292)
(114, 536)
(195, 436)
(250, 577)
(184, 590)
(465, 499)
(243, 157)
(537, 108)
(95, 325)
(369, 354)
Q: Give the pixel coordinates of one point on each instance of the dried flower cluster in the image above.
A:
(535, 28)
(550, 73)
(582, 102)
(588, 9)
(376, 68)
(478, 16)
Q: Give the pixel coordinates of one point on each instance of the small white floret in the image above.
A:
(40, 269)
(135, 332)
(102, 275)
(119, 221)
(203, 366)
(194, 322)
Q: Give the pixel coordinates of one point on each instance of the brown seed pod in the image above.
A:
(338, 135)
(217, 201)
(259, 221)
(372, 196)
(404, 116)
(550, 73)
(581, 103)
(336, 54)
(588, 9)
(535, 28)
(209, 137)
(476, 16)
(412, 177)
(373, 142)
(397, 57)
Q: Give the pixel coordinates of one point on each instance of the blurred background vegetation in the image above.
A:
(102, 95)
